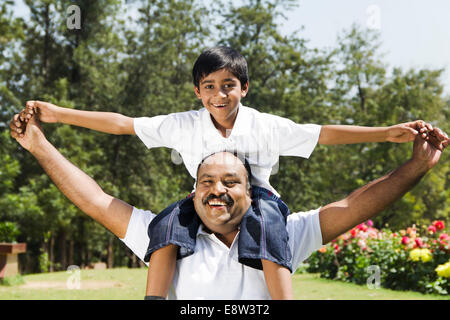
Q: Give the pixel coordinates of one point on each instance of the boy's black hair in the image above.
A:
(217, 58)
(238, 155)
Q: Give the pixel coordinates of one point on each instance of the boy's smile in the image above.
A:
(221, 93)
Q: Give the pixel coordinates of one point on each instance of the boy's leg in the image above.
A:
(278, 280)
(161, 270)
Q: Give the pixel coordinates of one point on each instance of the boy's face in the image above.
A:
(221, 93)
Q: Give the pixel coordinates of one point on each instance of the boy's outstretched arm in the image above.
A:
(108, 122)
(347, 134)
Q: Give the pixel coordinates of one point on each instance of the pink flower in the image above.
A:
(370, 223)
(439, 224)
(431, 229)
(419, 242)
(405, 240)
(444, 236)
(362, 244)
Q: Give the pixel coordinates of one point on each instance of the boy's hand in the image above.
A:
(47, 112)
(406, 132)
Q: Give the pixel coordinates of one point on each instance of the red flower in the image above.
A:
(419, 242)
(439, 224)
(362, 227)
(336, 248)
(405, 240)
(353, 233)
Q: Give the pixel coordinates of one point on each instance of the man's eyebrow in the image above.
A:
(233, 174)
(205, 175)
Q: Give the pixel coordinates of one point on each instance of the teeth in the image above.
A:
(216, 203)
(219, 105)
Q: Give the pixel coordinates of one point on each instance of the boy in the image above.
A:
(220, 82)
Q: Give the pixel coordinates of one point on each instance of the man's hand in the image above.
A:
(47, 112)
(428, 150)
(406, 132)
(27, 132)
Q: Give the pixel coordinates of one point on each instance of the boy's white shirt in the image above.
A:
(213, 270)
(261, 137)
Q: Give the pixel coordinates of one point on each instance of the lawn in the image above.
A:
(125, 284)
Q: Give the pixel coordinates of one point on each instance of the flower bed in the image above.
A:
(406, 260)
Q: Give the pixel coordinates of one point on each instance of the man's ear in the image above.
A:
(244, 89)
(197, 92)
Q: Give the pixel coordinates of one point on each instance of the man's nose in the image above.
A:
(218, 189)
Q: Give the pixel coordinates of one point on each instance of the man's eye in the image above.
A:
(206, 181)
(230, 183)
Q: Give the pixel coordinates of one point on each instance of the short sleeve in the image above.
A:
(158, 131)
(305, 235)
(137, 238)
(296, 139)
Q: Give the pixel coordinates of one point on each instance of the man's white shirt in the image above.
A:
(213, 271)
(261, 137)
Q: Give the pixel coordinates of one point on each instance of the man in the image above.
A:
(213, 271)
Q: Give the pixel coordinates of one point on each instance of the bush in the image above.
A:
(406, 260)
(8, 232)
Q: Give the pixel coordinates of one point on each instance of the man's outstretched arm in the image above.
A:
(366, 202)
(77, 186)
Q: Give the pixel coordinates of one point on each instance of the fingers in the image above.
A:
(439, 138)
(17, 127)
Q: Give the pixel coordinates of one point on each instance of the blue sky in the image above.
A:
(414, 33)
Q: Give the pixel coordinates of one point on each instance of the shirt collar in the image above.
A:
(241, 125)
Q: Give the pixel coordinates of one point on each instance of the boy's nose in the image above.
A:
(222, 94)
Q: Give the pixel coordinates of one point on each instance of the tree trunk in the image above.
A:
(51, 252)
(63, 249)
(110, 261)
(71, 245)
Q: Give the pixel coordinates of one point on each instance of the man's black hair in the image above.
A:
(238, 155)
(217, 58)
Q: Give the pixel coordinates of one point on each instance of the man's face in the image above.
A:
(222, 196)
(221, 93)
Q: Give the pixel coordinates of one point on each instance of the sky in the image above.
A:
(414, 33)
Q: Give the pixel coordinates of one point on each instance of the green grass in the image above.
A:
(125, 284)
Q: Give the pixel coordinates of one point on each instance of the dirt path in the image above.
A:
(84, 284)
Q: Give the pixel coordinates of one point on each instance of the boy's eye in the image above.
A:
(209, 86)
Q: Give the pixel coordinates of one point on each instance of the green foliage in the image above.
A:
(8, 231)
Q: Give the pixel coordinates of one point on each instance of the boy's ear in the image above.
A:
(244, 90)
(197, 92)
